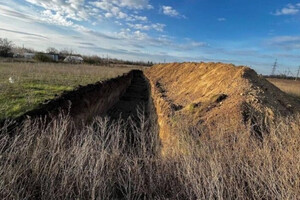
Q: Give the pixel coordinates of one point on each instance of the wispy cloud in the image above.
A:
(285, 42)
(147, 27)
(9, 12)
(170, 11)
(290, 9)
(23, 33)
(222, 19)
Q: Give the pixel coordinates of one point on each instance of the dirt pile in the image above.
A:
(208, 93)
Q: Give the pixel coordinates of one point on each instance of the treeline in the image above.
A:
(9, 50)
(97, 60)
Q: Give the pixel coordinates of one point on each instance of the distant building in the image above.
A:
(29, 55)
(53, 57)
(73, 59)
(17, 55)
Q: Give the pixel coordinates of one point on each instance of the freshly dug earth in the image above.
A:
(214, 93)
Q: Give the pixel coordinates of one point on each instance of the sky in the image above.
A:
(244, 32)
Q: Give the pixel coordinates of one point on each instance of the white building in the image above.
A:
(73, 59)
(29, 55)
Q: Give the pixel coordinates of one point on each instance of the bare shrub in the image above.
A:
(5, 47)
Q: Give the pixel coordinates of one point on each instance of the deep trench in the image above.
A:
(136, 99)
(135, 107)
(127, 97)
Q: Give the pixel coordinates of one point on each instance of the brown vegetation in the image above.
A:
(96, 162)
(289, 86)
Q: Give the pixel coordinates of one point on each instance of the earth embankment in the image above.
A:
(214, 93)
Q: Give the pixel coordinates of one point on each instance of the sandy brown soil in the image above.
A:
(209, 93)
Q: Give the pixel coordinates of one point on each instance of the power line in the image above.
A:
(274, 68)
(298, 73)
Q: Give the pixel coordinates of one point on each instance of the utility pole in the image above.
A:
(290, 73)
(298, 73)
(107, 61)
(274, 68)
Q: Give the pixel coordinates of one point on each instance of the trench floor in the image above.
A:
(136, 97)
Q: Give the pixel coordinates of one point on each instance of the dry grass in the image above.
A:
(291, 87)
(37, 82)
(98, 162)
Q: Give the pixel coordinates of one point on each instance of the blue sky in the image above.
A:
(243, 32)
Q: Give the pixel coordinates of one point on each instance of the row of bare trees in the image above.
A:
(8, 48)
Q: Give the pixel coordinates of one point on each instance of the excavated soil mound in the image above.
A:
(208, 93)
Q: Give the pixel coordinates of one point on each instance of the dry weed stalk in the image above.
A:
(57, 161)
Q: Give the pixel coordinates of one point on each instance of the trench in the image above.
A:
(126, 98)
(134, 101)
(136, 110)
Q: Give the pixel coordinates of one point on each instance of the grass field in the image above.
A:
(291, 87)
(33, 83)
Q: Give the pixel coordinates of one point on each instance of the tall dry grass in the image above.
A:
(289, 86)
(107, 160)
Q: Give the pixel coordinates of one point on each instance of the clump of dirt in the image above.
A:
(211, 92)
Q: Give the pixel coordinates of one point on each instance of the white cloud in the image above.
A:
(108, 15)
(189, 44)
(70, 9)
(69, 12)
(65, 12)
(56, 18)
(285, 42)
(141, 18)
(290, 9)
(121, 9)
(136, 4)
(158, 27)
(169, 11)
(222, 19)
(130, 4)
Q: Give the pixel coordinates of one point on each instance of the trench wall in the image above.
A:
(163, 112)
(85, 102)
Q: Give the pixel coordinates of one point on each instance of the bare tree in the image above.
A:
(52, 50)
(5, 47)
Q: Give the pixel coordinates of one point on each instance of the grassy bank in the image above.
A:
(23, 86)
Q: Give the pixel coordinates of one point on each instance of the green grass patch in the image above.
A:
(24, 97)
(33, 83)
